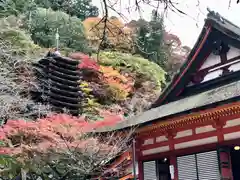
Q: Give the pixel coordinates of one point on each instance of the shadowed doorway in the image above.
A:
(235, 159)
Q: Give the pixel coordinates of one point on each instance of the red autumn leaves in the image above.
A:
(55, 132)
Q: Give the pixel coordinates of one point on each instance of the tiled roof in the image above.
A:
(219, 94)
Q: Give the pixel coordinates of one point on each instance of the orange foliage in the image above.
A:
(117, 34)
(113, 77)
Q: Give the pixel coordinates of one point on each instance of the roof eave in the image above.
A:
(171, 86)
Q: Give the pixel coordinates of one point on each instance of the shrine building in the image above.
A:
(192, 132)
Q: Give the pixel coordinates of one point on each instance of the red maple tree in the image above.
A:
(62, 140)
(86, 61)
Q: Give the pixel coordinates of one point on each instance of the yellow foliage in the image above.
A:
(85, 87)
(116, 93)
(109, 72)
(90, 106)
(92, 103)
(113, 77)
(83, 84)
(87, 90)
(117, 34)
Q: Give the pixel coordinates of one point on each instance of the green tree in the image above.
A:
(45, 23)
(150, 40)
(15, 7)
(80, 8)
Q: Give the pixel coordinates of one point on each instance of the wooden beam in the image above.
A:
(233, 131)
(223, 57)
(180, 140)
(118, 161)
(219, 132)
(221, 64)
(224, 65)
(228, 111)
(191, 150)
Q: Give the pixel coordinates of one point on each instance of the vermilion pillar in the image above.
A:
(225, 163)
(139, 161)
(140, 170)
(173, 163)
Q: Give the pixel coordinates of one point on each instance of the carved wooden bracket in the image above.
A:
(218, 123)
(171, 134)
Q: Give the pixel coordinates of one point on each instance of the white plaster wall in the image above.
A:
(231, 136)
(211, 60)
(161, 139)
(212, 75)
(184, 133)
(231, 123)
(155, 150)
(148, 141)
(198, 142)
(204, 129)
(233, 52)
(234, 67)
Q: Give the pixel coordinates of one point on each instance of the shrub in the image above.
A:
(15, 7)
(13, 39)
(56, 145)
(143, 69)
(116, 92)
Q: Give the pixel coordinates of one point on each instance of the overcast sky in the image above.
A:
(187, 27)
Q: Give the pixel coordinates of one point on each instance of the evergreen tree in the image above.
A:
(44, 25)
(80, 8)
(150, 41)
(142, 42)
(16, 7)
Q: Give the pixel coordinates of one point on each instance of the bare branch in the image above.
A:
(104, 28)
